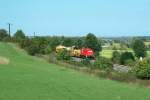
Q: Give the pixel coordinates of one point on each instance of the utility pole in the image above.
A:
(9, 29)
(34, 34)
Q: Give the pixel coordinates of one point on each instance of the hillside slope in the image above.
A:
(29, 78)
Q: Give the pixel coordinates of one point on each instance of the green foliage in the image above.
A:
(103, 64)
(55, 41)
(122, 77)
(25, 43)
(30, 46)
(86, 62)
(42, 44)
(139, 48)
(92, 42)
(68, 42)
(3, 34)
(126, 58)
(63, 55)
(19, 36)
(116, 57)
(32, 49)
(7, 39)
(79, 43)
(37, 45)
(48, 50)
(142, 69)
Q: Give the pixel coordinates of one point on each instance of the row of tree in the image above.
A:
(17, 37)
(44, 45)
(49, 43)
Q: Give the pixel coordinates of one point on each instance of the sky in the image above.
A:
(77, 17)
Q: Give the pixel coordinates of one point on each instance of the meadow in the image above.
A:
(107, 52)
(30, 78)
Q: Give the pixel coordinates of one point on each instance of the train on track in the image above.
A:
(75, 52)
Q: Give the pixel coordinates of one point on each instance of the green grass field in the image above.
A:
(108, 53)
(30, 78)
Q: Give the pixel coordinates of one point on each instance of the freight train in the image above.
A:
(75, 52)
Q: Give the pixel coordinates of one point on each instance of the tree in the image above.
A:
(116, 57)
(79, 43)
(55, 41)
(127, 58)
(42, 43)
(92, 42)
(142, 69)
(3, 34)
(139, 48)
(67, 42)
(19, 35)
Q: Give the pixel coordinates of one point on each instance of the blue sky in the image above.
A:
(77, 17)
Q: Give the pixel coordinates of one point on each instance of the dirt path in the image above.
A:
(4, 60)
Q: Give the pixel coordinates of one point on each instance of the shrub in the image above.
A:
(103, 64)
(38, 45)
(63, 55)
(7, 39)
(32, 49)
(3, 34)
(142, 69)
(48, 50)
(86, 61)
(25, 43)
(116, 57)
(126, 57)
(125, 77)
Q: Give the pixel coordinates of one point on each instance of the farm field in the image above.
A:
(106, 52)
(25, 77)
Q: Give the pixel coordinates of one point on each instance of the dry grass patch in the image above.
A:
(4, 60)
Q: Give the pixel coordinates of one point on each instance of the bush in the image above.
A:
(142, 69)
(125, 77)
(116, 57)
(63, 55)
(3, 34)
(48, 50)
(86, 62)
(103, 64)
(25, 43)
(32, 49)
(30, 46)
(7, 39)
(38, 43)
(126, 57)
